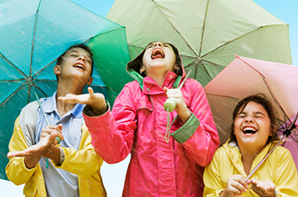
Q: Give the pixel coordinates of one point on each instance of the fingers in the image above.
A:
(48, 130)
(236, 185)
(91, 92)
(69, 98)
(263, 188)
(17, 154)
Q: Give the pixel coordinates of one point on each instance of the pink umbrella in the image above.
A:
(246, 76)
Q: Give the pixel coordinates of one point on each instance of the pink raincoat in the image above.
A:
(138, 124)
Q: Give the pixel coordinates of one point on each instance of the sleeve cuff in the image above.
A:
(89, 111)
(182, 134)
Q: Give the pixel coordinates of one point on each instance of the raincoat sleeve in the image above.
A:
(212, 180)
(198, 135)
(286, 180)
(82, 162)
(113, 133)
(16, 170)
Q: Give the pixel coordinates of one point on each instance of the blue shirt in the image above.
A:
(59, 182)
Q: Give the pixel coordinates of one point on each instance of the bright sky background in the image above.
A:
(113, 175)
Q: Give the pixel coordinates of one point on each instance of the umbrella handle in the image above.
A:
(171, 103)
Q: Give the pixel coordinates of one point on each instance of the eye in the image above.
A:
(149, 46)
(89, 61)
(241, 115)
(73, 55)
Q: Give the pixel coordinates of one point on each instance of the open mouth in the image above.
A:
(79, 66)
(157, 53)
(249, 130)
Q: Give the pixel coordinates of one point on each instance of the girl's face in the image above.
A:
(159, 56)
(252, 127)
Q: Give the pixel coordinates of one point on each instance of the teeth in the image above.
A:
(249, 130)
(157, 52)
(79, 66)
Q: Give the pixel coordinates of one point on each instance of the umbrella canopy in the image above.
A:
(33, 34)
(246, 76)
(207, 33)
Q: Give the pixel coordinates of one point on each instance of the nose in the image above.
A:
(82, 58)
(157, 44)
(248, 119)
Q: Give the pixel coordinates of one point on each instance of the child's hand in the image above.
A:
(236, 185)
(95, 100)
(181, 107)
(263, 188)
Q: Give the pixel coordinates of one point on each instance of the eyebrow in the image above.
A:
(255, 113)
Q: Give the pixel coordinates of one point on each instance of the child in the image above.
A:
(138, 125)
(253, 134)
(47, 169)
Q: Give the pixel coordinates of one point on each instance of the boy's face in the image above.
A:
(77, 63)
(252, 126)
(159, 55)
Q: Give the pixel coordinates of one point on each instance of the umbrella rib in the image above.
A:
(203, 30)
(230, 41)
(41, 70)
(33, 41)
(269, 89)
(12, 95)
(156, 4)
(40, 89)
(21, 72)
(12, 80)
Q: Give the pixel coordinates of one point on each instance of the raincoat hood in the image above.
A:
(133, 67)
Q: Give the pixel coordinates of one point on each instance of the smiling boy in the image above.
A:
(74, 166)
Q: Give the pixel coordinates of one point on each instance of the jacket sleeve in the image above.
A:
(286, 174)
(16, 170)
(113, 133)
(82, 162)
(198, 135)
(211, 177)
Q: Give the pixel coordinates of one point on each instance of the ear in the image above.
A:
(57, 70)
(272, 130)
(142, 69)
(89, 82)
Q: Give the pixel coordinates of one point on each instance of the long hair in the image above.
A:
(266, 104)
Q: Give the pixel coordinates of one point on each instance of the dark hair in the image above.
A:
(82, 46)
(266, 104)
(137, 63)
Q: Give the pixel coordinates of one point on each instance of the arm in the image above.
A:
(83, 162)
(286, 180)
(16, 170)
(213, 180)
(212, 177)
(113, 133)
(198, 135)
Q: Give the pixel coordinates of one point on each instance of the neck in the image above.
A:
(62, 90)
(248, 155)
(158, 76)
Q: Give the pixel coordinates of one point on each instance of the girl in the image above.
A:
(160, 165)
(253, 135)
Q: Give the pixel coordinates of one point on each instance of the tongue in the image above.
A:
(157, 56)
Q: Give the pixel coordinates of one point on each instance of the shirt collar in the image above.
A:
(50, 105)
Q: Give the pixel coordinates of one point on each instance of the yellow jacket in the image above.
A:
(85, 163)
(279, 168)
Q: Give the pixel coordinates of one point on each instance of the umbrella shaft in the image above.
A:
(264, 159)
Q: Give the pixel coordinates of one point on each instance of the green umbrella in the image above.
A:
(33, 34)
(208, 33)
